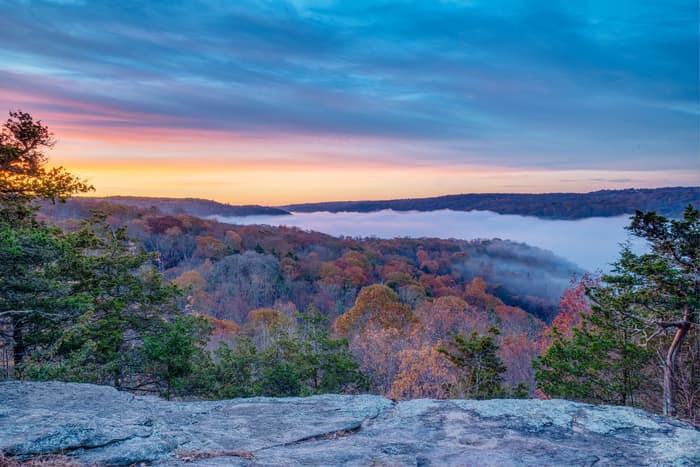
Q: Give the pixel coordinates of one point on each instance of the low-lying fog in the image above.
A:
(590, 243)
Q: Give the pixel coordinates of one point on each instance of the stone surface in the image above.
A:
(97, 425)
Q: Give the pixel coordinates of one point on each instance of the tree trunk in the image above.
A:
(19, 348)
(669, 391)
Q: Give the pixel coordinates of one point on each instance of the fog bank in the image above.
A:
(591, 243)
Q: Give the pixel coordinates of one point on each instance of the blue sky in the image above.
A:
(604, 92)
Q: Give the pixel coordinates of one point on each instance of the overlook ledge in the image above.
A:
(98, 425)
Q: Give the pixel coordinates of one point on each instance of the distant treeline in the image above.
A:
(192, 206)
(606, 203)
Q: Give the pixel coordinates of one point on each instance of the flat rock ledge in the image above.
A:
(98, 425)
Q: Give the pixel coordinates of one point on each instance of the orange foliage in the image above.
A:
(396, 265)
(426, 263)
(210, 247)
(423, 373)
(233, 240)
(262, 324)
(330, 273)
(573, 305)
(291, 269)
(375, 349)
(443, 318)
(266, 318)
(224, 326)
(358, 259)
(190, 280)
(377, 305)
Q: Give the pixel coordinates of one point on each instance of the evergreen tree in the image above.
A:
(235, 370)
(481, 366)
(124, 300)
(34, 294)
(599, 363)
(174, 356)
(648, 304)
(327, 364)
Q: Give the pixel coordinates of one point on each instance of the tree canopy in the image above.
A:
(644, 316)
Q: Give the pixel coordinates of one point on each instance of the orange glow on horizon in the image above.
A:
(275, 185)
(119, 159)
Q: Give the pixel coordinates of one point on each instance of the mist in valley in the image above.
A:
(592, 243)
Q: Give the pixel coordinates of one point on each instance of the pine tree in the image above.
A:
(481, 367)
(648, 305)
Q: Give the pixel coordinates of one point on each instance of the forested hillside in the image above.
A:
(77, 207)
(240, 275)
(665, 201)
(302, 267)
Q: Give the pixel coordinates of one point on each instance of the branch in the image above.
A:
(29, 312)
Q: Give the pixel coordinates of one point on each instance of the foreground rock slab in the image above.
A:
(98, 425)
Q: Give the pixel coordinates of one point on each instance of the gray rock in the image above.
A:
(99, 425)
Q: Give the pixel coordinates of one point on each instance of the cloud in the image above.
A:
(613, 180)
(540, 84)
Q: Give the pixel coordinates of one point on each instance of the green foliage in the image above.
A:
(599, 363)
(481, 367)
(327, 364)
(300, 362)
(124, 301)
(35, 293)
(173, 354)
(235, 370)
(648, 305)
(23, 173)
(281, 378)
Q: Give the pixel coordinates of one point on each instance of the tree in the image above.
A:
(423, 373)
(648, 303)
(235, 369)
(173, 355)
(327, 364)
(34, 294)
(23, 173)
(476, 356)
(599, 362)
(375, 305)
(659, 291)
(123, 300)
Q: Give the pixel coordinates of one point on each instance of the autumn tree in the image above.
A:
(573, 306)
(424, 373)
(375, 305)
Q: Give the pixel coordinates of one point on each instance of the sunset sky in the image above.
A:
(283, 102)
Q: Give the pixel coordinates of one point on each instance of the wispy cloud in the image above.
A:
(543, 84)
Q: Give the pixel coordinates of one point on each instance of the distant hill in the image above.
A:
(192, 206)
(668, 202)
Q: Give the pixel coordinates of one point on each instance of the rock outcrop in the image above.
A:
(99, 425)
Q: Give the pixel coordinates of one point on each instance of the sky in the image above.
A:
(300, 101)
